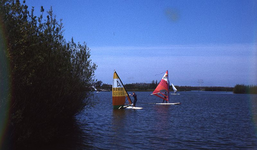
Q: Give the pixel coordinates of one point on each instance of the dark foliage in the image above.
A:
(244, 89)
(49, 76)
(153, 85)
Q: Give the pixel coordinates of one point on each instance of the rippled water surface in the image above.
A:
(204, 120)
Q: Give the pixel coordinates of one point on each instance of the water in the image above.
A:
(204, 120)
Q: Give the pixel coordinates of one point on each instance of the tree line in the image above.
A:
(238, 89)
(245, 89)
(151, 86)
(49, 76)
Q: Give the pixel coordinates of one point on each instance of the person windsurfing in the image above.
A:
(135, 98)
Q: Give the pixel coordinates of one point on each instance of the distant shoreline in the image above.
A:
(146, 87)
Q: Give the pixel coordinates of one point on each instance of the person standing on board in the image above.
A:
(165, 96)
(135, 98)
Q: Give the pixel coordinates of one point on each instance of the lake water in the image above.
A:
(204, 120)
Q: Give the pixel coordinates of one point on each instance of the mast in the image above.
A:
(168, 82)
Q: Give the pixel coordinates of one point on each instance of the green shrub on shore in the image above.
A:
(49, 77)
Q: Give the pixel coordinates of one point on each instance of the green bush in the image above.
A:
(49, 76)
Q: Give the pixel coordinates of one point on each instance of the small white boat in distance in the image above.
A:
(175, 90)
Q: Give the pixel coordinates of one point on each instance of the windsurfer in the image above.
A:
(135, 98)
(165, 97)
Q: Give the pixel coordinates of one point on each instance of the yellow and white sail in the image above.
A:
(119, 92)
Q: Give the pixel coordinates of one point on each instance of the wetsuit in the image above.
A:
(135, 98)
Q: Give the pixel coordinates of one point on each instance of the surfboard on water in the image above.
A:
(162, 90)
(133, 107)
(178, 103)
(119, 94)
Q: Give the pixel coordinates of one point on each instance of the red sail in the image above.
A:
(162, 90)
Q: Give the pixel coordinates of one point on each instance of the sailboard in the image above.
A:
(132, 107)
(174, 89)
(119, 95)
(95, 89)
(162, 91)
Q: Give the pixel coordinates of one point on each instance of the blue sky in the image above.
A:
(209, 40)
